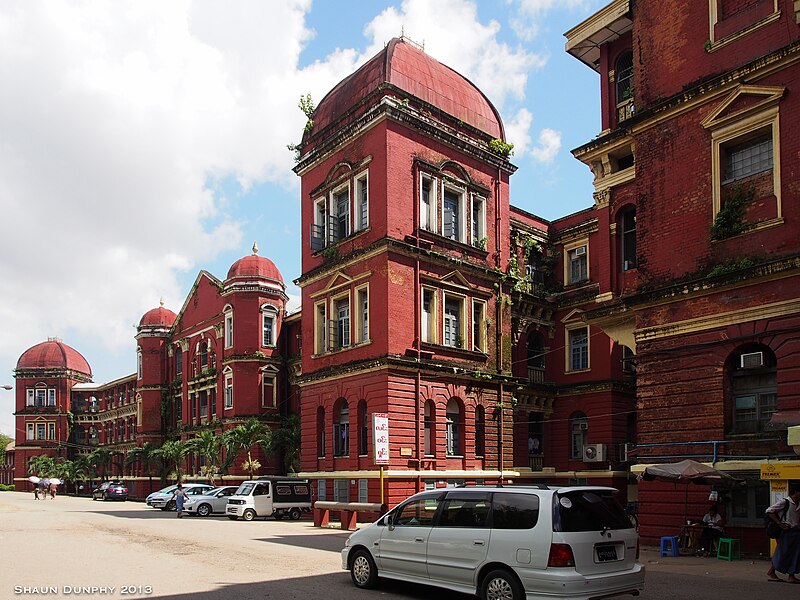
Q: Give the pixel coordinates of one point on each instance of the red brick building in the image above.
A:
(661, 323)
(698, 223)
(223, 358)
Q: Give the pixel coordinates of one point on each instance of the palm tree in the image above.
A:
(43, 466)
(245, 436)
(100, 459)
(77, 470)
(287, 440)
(147, 456)
(209, 445)
(173, 452)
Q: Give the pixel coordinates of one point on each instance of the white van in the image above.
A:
(508, 543)
(270, 497)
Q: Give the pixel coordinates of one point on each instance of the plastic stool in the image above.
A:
(729, 549)
(669, 545)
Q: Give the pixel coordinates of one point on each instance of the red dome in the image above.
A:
(53, 354)
(158, 317)
(408, 68)
(255, 266)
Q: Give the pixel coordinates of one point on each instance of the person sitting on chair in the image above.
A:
(713, 529)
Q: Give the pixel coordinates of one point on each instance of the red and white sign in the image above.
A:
(380, 435)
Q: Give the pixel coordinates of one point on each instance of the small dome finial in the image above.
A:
(255, 248)
(161, 302)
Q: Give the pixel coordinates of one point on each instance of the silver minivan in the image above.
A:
(503, 543)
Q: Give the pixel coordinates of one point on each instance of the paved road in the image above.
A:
(77, 548)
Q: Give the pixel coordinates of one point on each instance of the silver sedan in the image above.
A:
(210, 502)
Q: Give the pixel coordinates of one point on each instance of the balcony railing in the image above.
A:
(625, 110)
(536, 461)
(535, 374)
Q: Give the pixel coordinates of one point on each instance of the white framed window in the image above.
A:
(269, 320)
(341, 490)
(428, 325)
(340, 208)
(478, 222)
(362, 202)
(138, 363)
(341, 431)
(228, 378)
(453, 428)
(453, 321)
(51, 396)
(340, 337)
(30, 432)
(453, 213)
(321, 494)
(362, 315)
(269, 389)
(747, 157)
(578, 348)
(479, 325)
(228, 326)
(30, 398)
(51, 431)
(579, 432)
(363, 490)
(319, 228)
(427, 203)
(576, 266)
(320, 328)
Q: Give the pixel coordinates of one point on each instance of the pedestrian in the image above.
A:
(36, 490)
(180, 496)
(43, 490)
(786, 558)
(712, 530)
(53, 490)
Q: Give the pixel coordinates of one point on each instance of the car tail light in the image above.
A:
(561, 556)
(124, 490)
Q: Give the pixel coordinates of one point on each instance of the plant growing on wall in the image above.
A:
(502, 148)
(730, 219)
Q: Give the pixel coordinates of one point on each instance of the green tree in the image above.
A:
(173, 452)
(246, 435)
(147, 457)
(100, 459)
(5, 440)
(43, 466)
(286, 439)
(77, 471)
(208, 445)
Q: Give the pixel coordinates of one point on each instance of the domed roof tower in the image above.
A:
(254, 271)
(53, 358)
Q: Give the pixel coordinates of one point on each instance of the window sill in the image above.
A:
(576, 371)
(438, 239)
(452, 350)
(757, 227)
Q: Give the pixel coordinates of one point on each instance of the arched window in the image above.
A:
(623, 73)
(753, 382)
(202, 355)
(535, 358)
(228, 311)
(363, 429)
(341, 431)
(430, 428)
(178, 361)
(579, 427)
(269, 325)
(320, 432)
(480, 430)
(454, 420)
(627, 229)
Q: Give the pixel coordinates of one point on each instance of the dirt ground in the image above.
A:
(133, 551)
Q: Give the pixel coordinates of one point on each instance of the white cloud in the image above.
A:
(452, 33)
(531, 14)
(518, 131)
(548, 145)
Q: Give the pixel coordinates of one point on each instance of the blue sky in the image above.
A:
(144, 141)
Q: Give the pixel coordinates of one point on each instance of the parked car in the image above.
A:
(167, 490)
(164, 499)
(270, 497)
(503, 542)
(212, 501)
(110, 490)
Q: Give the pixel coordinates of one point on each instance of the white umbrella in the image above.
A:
(56, 480)
(33, 479)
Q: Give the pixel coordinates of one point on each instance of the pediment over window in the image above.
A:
(742, 102)
(575, 316)
(456, 279)
(269, 369)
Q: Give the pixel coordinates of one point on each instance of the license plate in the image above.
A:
(606, 553)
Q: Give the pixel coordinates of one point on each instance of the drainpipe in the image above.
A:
(498, 220)
(417, 329)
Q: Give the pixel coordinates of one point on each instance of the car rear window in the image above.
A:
(589, 510)
(514, 511)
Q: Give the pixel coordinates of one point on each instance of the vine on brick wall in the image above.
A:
(730, 220)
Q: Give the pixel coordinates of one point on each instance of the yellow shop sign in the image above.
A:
(780, 471)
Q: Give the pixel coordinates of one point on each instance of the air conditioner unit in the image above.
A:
(625, 451)
(594, 452)
(752, 360)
